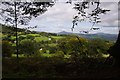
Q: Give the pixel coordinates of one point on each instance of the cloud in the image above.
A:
(59, 18)
(111, 18)
(59, 12)
(56, 19)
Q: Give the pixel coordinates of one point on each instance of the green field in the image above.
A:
(34, 35)
(57, 37)
(42, 38)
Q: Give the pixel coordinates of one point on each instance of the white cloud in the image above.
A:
(111, 18)
(59, 18)
(59, 12)
(56, 19)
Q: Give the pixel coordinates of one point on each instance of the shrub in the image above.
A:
(97, 47)
(29, 47)
(7, 49)
(69, 45)
(30, 37)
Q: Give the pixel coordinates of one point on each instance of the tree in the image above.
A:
(97, 47)
(21, 12)
(68, 45)
(7, 49)
(29, 47)
(115, 52)
(62, 45)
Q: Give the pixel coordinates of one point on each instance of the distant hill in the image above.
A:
(11, 30)
(105, 36)
(64, 32)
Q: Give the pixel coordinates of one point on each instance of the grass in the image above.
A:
(105, 55)
(20, 55)
(43, 38)
(23, 35)
(13, 37)
(67, 56)
(52, 45)
(14, 44)
(1, 35)
(47, 55)
(34, 35)
(57, 37)
(43, 55)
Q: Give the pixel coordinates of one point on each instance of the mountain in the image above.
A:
(64, 32)
(105, 36)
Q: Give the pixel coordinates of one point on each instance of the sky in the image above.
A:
(59, 18)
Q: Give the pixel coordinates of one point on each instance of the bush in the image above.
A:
(29, 47)
(30, 37)
(69, 45)
(97, 47)
(7, 49)
(59, 54)
(52, 49)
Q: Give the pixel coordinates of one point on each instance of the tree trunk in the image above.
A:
(116, 61)
(118, 39)
(115, 52)
(16, 29)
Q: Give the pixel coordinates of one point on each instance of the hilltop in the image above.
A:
(104, 36)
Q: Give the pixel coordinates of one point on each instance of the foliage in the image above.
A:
(52, 49)
(68, 45)
(7, 49)
(29, 37)
(29, 47)
(23, 10)
(92, 16)
(54, 67)
(97, 47)
(79, 47)
(59, 54)
(79, 58)
(42, 38)
(44, 34)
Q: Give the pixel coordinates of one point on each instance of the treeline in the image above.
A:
(12, 30)
(69, 45)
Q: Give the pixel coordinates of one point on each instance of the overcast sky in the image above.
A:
(59, 18)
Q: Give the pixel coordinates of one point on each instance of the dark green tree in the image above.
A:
(7, 49)
(29, 47)
(97, 47)
(68, 45)
(62, 46)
